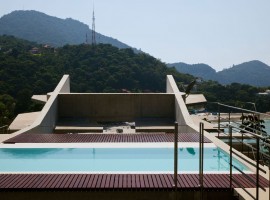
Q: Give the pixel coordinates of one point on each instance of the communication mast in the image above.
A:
(93, 29)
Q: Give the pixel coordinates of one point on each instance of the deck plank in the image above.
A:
(102, 138)
(60, 181)
(119, 181)
(141, 178)
(146, 183)
(5, 178)
(51, 182)
(22, 181)
(88, 181)
(150, 181)
(129, 180)
(137, 181)
(65, 181)
(161, 184)
(99, 180)
(166, 179)
(12, 183)
(78, 180)
(103, 181)
(39, 180)
(193, 181)
(155, 183)
(44, 182)
(208, 181)
(116, 181)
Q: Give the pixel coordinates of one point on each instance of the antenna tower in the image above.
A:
(93, 28)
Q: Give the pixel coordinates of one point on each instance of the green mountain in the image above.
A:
(253, 73)
(41, 28)
(198, 70)
(99, 68)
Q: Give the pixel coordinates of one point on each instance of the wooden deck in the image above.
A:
(100, 138)
(114, 182)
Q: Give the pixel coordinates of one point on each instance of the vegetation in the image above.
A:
(252, 123)
(100, 68)
(253, 73)
(235, 94)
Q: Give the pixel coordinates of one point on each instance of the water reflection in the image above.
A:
(191, 151)
(26, 152)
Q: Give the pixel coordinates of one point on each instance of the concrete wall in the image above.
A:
(47, 119)
(116, 107)
(112, 107)
(182, 116)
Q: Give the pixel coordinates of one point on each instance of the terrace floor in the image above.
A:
(115, 182)
(138, 182)
(108, 138)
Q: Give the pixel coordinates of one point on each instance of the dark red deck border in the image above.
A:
(108, 138)
(137, 182)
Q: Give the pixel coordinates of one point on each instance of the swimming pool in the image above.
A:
(113, 160)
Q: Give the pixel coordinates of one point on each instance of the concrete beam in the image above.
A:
(182, 116)
(47, 118)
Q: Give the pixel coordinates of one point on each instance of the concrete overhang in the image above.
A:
(195, 99)
(23, 120)
(39, 98)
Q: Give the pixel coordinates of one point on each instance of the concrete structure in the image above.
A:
(91, 112)
(267, 92)
(22, 121)
(193, 99)
(77, 112)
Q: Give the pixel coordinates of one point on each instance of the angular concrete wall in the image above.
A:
(112, 107)
(182, 116)
(116, 107)
(47, 119)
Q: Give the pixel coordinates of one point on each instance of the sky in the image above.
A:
(220, 33)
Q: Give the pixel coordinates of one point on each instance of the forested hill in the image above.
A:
(100, 68)
(253, 73)
(198, 70)
(44, 29)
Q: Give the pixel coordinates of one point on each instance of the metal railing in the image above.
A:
(175, 154)
(175, 157)
(257, 165)
(255, 132)
(259, 144)
(232, 154)
(242, 110)
(201, 156)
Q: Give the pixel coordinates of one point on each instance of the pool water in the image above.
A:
(98, 160)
